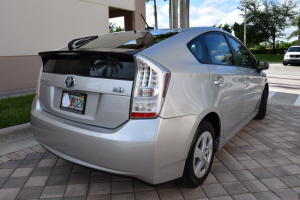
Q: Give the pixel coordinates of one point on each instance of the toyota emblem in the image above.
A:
(70, 82)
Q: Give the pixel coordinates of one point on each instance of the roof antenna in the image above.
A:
(148, 27)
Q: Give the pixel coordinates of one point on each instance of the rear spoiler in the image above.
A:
(79, 42)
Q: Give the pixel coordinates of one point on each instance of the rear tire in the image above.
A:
(200, 157)
(263, 106)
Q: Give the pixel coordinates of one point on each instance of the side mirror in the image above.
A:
(262, 65)
(284, 51)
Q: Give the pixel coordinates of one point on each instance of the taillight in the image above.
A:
(38, 84)
(150, 89)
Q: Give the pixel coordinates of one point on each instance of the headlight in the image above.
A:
(286, 56)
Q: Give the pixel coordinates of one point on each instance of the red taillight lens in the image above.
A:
(151, 85)
(142, 115)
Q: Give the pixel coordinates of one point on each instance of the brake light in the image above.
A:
(150, 89)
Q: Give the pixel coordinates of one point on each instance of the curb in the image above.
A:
(16, 138)
(15, 93)
(13, 133)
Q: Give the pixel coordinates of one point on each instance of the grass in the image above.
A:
(269, 57)
(15, 110)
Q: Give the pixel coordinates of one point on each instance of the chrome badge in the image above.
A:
(70, 82)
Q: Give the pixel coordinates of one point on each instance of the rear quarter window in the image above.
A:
(197, 48)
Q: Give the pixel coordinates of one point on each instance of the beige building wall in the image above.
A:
(31, 26)
(18, 72)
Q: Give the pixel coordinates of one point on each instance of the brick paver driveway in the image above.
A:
(261, 162)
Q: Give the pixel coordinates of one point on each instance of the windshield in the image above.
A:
(294, 49)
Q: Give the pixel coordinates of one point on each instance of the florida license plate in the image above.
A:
(73, 102)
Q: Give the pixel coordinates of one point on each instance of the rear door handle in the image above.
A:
(247, 81)
(219, 82)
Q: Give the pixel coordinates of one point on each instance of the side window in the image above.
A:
(243, 57)
(218, 49)
(196, 46)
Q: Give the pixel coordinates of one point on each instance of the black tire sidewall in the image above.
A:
(263, 106)
(189, 176)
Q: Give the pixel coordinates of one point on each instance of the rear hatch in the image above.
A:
(88, 87)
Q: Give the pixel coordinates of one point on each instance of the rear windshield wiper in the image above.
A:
(79, 42)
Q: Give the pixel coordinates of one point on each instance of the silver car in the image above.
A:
(155, 104)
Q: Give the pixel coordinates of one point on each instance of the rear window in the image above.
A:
(102, 66)
(134, 40)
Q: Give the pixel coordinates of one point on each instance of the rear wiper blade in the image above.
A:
(79, 42)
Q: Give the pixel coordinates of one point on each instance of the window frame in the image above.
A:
(207, 55)
(234, 54)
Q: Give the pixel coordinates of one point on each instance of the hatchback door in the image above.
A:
(89, 88)
(253, 79)
(227, 80)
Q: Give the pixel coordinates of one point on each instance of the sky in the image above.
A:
(202, 13)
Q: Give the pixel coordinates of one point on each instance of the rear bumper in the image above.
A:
(152, 150)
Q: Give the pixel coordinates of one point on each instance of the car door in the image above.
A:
(227, 80)
(253, 80)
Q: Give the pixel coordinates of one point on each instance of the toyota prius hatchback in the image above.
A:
(155, 105)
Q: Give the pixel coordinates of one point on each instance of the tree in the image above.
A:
(255, 35)
(285, 45)
(184, 6)
(119, 28)
(226, 27)
(269, 16)
(175, 14)
(183, 20)
(184, 13)
(188, 13)
(155, 12)
(295, 22)
(170, 14)
(112, 26)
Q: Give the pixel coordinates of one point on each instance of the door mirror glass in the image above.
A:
(262, 65)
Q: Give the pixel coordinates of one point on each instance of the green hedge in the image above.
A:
(268, 51)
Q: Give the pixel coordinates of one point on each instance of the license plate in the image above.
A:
(73, 102)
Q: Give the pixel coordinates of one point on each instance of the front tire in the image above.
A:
(263, 106)
(284, 63)
(200, 157)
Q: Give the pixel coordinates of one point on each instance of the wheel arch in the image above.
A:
(214, 119)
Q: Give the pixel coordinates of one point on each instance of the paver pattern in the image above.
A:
(261, 162)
